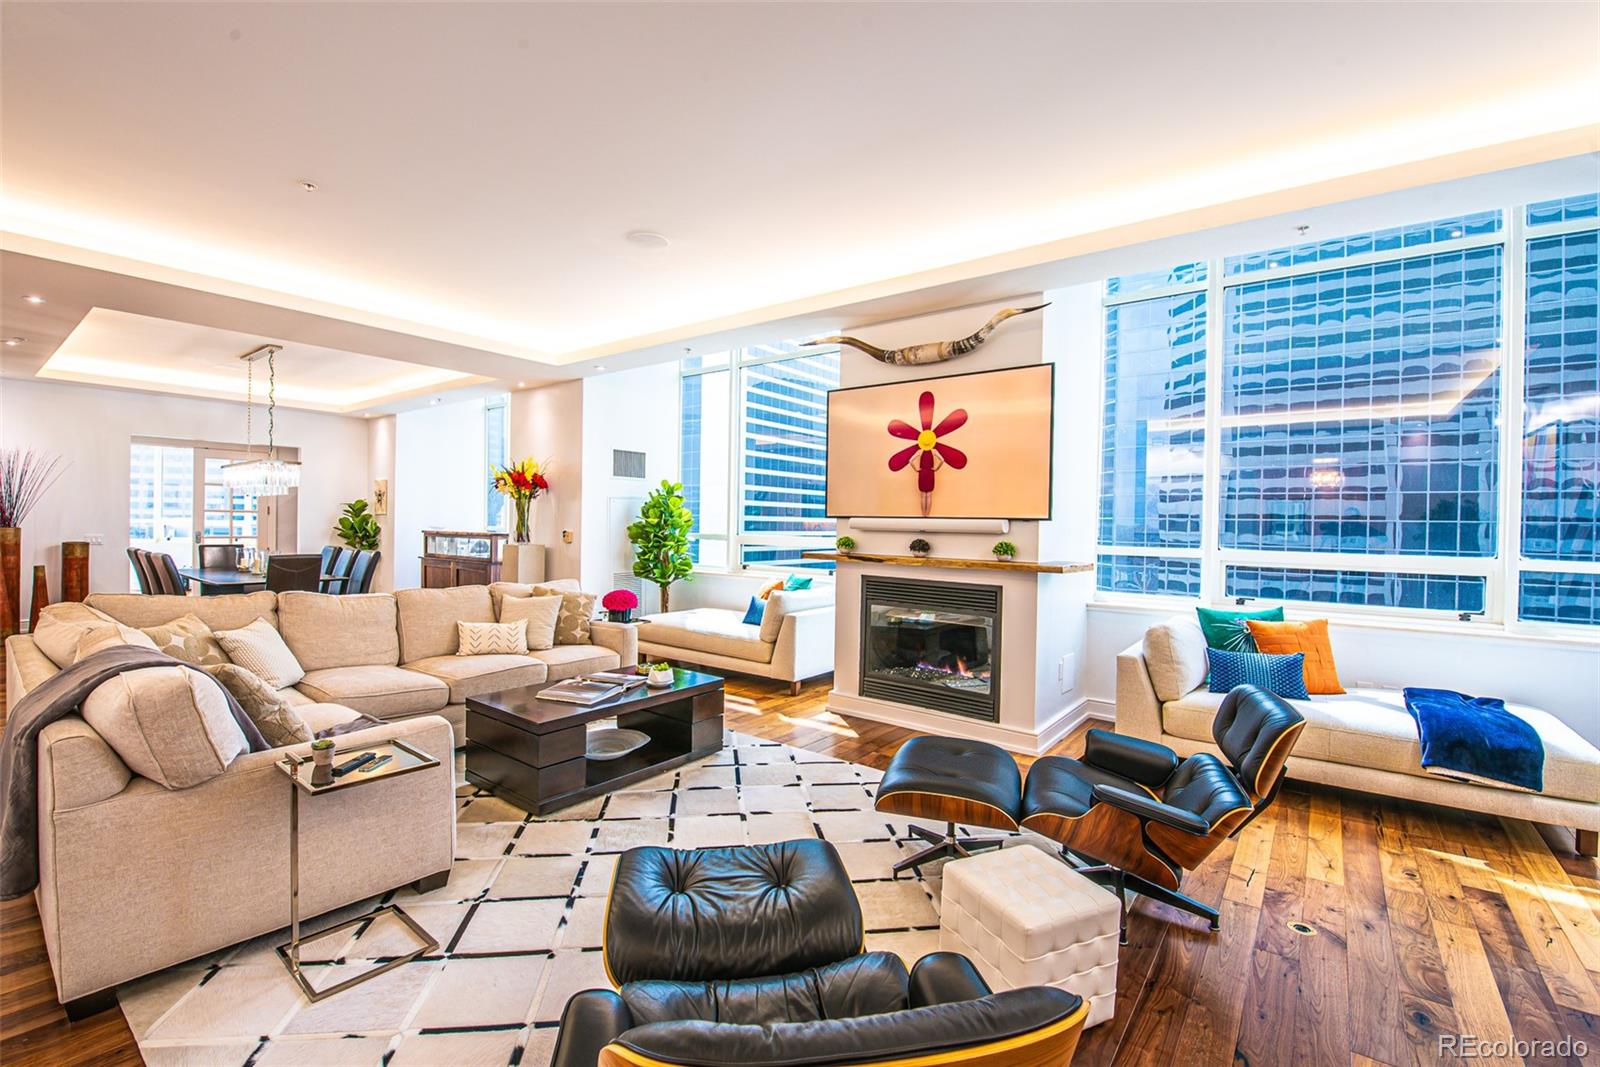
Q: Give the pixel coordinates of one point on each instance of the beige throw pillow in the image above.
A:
(108, 635)
(278, 722)
(572, 625)
(171, 725)
(539, 612)
(188, 639)
(259, 649)
(492, 638)
(62, 626)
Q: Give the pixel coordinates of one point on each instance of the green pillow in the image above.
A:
(1226, 630)
(794, 581)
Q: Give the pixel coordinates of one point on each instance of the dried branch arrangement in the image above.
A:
(25, 475)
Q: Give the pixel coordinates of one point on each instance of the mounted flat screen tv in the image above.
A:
(966, 446)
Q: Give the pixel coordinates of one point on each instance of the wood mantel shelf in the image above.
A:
(960, 564)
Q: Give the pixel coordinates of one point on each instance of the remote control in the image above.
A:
(350, 765)
(375, 764)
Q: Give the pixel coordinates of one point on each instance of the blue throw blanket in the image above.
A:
(1476, 738)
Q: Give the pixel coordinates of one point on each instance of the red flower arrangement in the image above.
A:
(619, 604)
(934, 453)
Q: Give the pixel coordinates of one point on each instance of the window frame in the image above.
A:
(1502, 572)
(736, 539)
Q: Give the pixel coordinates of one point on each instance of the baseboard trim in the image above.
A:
(1029, 743)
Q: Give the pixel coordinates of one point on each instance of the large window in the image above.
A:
(496, 453)
(1337, 434)
(754, 455)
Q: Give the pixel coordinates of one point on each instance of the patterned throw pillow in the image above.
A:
(1311, 638)
(493, 638)
(1283, 675)
(274, 716)
(1227, 630)
(539, 612)
(190, 640)
(259, 649)
(572, 625)
(109, 635)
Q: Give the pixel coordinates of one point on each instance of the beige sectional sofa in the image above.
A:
(135, 877)
(793, 641)
(1363, 739)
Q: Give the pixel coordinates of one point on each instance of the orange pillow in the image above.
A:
(1311, 638)
(770, 588)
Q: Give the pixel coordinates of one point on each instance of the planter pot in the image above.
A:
(41, 597)
(10, 580)
(74, 570)
(1005, 559)
(321, 766)
(659, 679)
(625, 615)
(920, 553)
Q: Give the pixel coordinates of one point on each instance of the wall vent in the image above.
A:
(625, 464)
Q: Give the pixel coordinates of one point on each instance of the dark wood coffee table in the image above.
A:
(531, 752)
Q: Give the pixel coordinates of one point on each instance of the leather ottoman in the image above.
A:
(952, 780)
(1025, 918)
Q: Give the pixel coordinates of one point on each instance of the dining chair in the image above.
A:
(141, 571)
(330, 554)
(167, 578)
(220, 556)
(361, 573)
(288, 572)
(341, 569)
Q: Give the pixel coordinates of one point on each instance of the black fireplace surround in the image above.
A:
(935, 645)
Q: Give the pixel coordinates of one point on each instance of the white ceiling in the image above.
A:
(478, 165)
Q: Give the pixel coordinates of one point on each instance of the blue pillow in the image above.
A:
(794, 581)
(757, 608)
(1283, 675)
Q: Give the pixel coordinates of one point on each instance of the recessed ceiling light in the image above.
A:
(646, 239)
(308, 186)
(34, 298)
(366, 414)
(522, 385)
(437, 400)
(598, 367)
(15, 341)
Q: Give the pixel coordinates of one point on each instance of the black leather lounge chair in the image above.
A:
(753, 956)
(1141, 817)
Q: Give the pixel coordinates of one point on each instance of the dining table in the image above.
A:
(221, 581)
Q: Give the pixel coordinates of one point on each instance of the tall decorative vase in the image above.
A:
(74, 570)
(41, 597)
(10, 580)
(522, 535)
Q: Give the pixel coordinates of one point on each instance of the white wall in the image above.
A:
(440, 481)
(381, 464)
(547, 424)
(92, 428)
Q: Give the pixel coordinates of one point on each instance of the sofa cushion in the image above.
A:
(171, 725)
(217, 612)
(108, 634)
(293, 697)
(319, 717)
(539, 612)
(468, 676)
(550, 588)
(384, 692)
(325, 631)
(188, 639)
(1371, 728)
(62, 626)
(781, 602)
(274, 716)
(567, 661)
(1175, 656)
(719, 631)
(428, 618)
(259, 648)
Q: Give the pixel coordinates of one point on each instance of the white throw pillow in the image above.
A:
(539, 612)
(259, 649)
(171, 725)
(493, 638)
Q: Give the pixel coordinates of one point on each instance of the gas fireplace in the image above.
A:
(932, 644)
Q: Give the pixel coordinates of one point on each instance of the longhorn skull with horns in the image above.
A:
(933, 351)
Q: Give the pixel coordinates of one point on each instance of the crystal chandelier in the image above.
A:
(268, 476)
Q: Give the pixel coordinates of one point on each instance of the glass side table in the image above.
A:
(403, 759)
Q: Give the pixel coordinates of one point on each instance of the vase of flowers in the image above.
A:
(522, 481)
(619, 605)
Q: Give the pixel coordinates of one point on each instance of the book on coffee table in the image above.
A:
(581, 691)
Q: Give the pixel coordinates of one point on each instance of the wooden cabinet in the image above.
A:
(456, 557)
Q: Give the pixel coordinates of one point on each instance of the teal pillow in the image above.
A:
(1283, 675)
(794, 581)
(753, 613)
(1226, 629)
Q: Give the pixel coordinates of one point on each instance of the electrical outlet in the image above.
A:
(1067, 672)
(95, 539)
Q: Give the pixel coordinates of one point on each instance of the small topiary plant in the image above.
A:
(920, 547)
(845, 544)
(1004, 550)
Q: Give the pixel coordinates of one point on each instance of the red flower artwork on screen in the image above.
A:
(929, 451)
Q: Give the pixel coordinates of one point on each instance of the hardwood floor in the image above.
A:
(1423, 923)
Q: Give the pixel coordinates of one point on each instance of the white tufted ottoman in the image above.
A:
(1025, 918)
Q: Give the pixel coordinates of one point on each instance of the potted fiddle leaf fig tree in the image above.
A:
(357, 527)
(660, 539)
